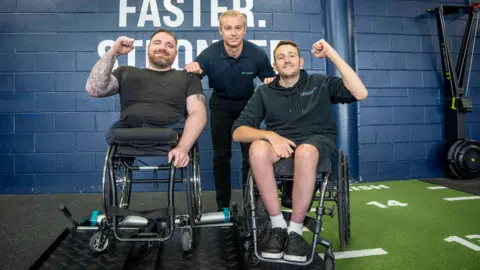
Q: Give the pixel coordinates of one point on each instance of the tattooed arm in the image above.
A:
(101, 82)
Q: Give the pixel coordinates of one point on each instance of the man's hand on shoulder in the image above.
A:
(282, 146)
(180, 154)
(193, 67)
(268, 80)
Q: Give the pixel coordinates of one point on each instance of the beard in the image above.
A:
(160, 61)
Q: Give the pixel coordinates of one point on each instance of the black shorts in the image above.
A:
(325, 145)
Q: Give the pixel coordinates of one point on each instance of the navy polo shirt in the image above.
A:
(231, 78)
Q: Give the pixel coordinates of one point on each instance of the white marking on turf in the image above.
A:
(462, 198)
(439, 187)
(357, 253)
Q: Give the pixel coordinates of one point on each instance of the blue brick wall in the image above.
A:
(401, 124)
(52, 132)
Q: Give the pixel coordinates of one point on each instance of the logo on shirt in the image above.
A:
(247, 72)
(308, 93)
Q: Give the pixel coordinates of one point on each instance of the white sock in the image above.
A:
(278, 222)
(295, 227)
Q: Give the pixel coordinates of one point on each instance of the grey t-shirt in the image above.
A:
(155, 97)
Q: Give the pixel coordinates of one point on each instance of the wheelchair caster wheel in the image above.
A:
(329, 263)
(141, 250)
(96, 242)
(186, 240)
(251, 259)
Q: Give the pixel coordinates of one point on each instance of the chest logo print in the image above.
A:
(308, 93)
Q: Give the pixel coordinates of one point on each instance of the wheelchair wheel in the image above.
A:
(329, 263)
(122, 176)
(347, 207)
(186, 240)
(262, 223)
(126, 185)
(343, 201)
(98, 243)
(196, 185)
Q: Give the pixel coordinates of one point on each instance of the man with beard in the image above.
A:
(231, 65)
(156, 96)
(297, 109)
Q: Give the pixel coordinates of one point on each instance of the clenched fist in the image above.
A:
(123, 45)
(321, 49)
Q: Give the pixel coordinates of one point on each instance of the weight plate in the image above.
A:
(464, 159)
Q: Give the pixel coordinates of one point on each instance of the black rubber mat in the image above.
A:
(74, 253)
(214, 248)
(471, 186)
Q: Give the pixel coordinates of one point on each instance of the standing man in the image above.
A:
(231, 65)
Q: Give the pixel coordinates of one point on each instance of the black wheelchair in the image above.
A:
(256, 221)
(147, 227)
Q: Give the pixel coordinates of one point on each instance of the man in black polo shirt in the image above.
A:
(157, 96)
(231, 65)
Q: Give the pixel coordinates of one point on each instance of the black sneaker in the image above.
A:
(295, 250)
(276, 244)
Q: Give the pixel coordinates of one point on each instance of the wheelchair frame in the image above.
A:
(143, 224)
(253, 232)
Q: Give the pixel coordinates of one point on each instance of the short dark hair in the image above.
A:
(286, 42)
(165, 31)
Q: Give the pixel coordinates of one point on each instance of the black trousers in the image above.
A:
(222, 116)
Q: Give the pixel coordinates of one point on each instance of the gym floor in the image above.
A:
(385, 235)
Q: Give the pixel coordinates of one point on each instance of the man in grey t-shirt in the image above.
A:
(156, 96)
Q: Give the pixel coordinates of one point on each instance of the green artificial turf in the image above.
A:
(413, 235)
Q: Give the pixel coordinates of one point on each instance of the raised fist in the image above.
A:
(321, 49)
(123, 45)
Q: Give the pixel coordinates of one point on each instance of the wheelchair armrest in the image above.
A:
(144, 137)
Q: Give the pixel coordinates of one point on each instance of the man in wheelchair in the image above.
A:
(297, 110)
(156, 96)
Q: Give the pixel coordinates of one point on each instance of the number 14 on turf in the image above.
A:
(389, 204)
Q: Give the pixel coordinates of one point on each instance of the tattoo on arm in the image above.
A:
(202, 99)
(101, 83)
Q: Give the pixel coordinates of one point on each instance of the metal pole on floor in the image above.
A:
(339, 33)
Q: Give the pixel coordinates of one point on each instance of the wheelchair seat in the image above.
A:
(133, 142)
(284, 167)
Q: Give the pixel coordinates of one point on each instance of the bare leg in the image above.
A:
(262, 158)
(306, 159)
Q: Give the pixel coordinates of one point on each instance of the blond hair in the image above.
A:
(232, 13)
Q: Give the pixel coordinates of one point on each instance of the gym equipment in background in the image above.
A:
(462, 154)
